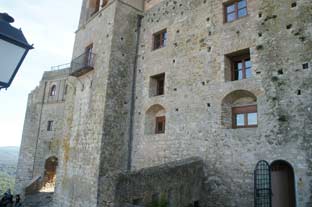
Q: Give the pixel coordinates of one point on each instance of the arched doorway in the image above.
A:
(49, 174)
(283, 186)
(274, 184)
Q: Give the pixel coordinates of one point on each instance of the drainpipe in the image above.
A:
(38, 132)
(133, 94)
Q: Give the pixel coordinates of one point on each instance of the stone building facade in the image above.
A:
(217, 91)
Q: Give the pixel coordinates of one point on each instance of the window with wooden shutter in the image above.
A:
(160, 125)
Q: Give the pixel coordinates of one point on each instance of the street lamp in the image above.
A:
(13, 49)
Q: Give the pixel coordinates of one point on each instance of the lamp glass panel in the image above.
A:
(10, 56)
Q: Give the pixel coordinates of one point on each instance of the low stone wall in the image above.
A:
(178, 184)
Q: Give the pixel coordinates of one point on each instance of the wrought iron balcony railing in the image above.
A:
(82, 64)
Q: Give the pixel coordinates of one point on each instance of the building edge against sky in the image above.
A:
(156, 83)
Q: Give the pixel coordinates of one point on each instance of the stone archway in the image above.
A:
(48, 182)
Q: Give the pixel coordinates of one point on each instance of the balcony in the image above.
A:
(82, 64)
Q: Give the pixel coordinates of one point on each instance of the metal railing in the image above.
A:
(60, 67)
(82, 64)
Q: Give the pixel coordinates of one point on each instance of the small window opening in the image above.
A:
(50, 125)
(157, 85)
(294, 4)
(235, 10)
(238, 66)
(53, 90)
(160, 39)
(305, 65)
(299, 92)
(160, 125)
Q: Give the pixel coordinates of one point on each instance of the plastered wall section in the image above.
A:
(195, 66)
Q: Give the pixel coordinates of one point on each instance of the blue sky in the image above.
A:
(50, 26)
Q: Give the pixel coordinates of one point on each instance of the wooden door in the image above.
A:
(283, 189)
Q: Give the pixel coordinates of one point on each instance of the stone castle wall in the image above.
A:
(38, 144)
(91, 138)
(196, 83)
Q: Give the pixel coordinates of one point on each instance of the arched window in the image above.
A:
(239, 110)
(53, 90)
(155, 120)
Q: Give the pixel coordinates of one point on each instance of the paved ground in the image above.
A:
(41, 199)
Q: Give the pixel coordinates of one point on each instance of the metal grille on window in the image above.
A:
(263, 190)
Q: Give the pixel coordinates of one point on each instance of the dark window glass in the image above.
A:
(160, 86)
(53, 90)
(89, 54)
(160, 39)
(157, 85)
(241, 66)
(160, 124)
(50, 126)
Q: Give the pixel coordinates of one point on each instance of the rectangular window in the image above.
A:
(234, 10)
(160, 125)
(242, 68)
(160, 39)
(89, 55)
(245, 116)
(160, 86)
(157, 85)
(240, 65)
(50, 125)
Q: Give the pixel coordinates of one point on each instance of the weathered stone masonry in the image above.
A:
(92, 119)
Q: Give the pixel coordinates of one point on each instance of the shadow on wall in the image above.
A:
(175, 184)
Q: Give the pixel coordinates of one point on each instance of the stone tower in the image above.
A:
(90, 125)
(195, 102)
